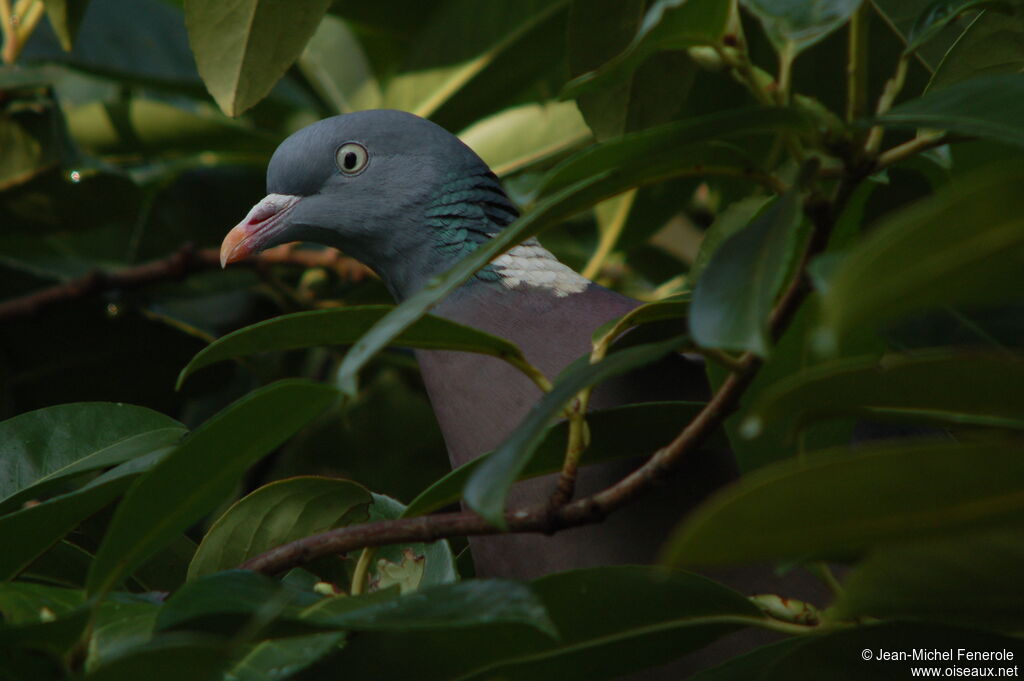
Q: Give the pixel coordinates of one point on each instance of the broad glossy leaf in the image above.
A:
(344, 326)
(938, 385)
(276, 514)
(201, 472)
(672, 146)
(30, 531)
(961, 246)
(243, 48)
(732, 219)
(23, 603)
(168, 658)
(800, 23)
(447, 606)
(47, 446)
(990, 107)
(611, 621)
(439, 561)
(858, 499)
(963, 578)
(735, 294)
(64, 564)
(837, 655)
(65, 17)
(522, 136)
(228, 602)
(939, 14)
(336, 66)
(617, 433)
(122, 622)
(993, 43)
(57, 635)
(488, 485)
(603, 176)
(460, 42)
(668, 24)
(282, 658)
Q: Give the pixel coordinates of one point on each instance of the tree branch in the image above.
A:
(187, 260)
(548, 518)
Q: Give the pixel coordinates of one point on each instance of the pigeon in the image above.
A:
(409, 199)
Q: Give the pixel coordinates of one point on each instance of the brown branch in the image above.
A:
(548, 518)
(187, 260)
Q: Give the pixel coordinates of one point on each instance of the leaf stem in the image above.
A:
(9, 32)
(362, 570)
(823, 572)
(610, 236)
(856, 65)
(722, 357)
(530, 371)
(923, 142)
(885, 102)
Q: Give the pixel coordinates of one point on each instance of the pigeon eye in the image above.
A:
(351, 158)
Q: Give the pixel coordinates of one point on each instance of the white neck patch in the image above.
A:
(531, 265)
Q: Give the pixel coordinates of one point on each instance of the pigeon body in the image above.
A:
(409, 199)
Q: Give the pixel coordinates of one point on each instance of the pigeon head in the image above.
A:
(389, 188)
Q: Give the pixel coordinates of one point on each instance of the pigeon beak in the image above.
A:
(265, 221)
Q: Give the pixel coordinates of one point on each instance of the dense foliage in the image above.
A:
(829, 192)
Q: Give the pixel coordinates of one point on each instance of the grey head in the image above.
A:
(397, 192)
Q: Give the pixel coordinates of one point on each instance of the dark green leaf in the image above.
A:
(336, 65)
(47, 446)
(439, 561)
(344, 326)
(22, 603)
(734, 296)
(461, 605)
(673, 146)
(276, 514)
(201, 472)
(243, 48)
(611, 621)
(618, 433)
(960, 247)
(732, 219)
(857, 499)
(122, 623)
(167, 658)
(668, 24)
(488, 485)
(796, 24)
(963, 578)
(939, 385)
(52, 635)
(993, 43)
(282, 658)
(939, 14)
(228, 602)
(991, 107)
(32, 530)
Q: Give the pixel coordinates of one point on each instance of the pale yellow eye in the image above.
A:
(351, 158)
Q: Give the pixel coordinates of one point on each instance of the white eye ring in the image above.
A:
(351, 158)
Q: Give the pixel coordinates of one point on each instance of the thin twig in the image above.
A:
(856, 65)
(922, 142)
(892, 90)
(187, 260)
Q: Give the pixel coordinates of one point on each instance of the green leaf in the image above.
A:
(672, 147)
(283, 658)
(448, 606)
(22, 603)
(30, 531)
(937, 385)
(668, 24)
(993, 43)
(733, 298)
(243, 48)
(606, 175)
(439, 561)
(46, 447)
(837, 655)
(611, 621)
(858, 499)
(336, 66)
(276, 514)
(939, 14)
(236, 600)
(968, 578)
(990, 106)
(959, 247)
(798, 24)
(344, 326)
(488, 485)
(122, 622)
(65, 17)
(460, 43)
(52, 635)
(166, 659)
(200, 473)
(618, 433)
(732, 219)
(522, 136)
